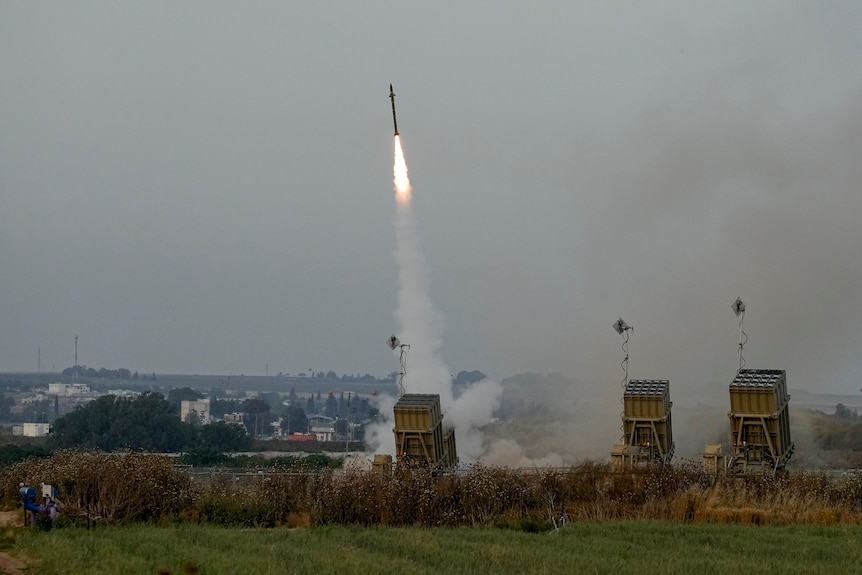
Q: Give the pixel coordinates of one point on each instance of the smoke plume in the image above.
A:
(421, 327)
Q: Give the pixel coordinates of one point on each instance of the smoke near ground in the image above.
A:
(378, 436)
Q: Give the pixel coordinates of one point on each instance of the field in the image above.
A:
(582, 547)
(151, 517)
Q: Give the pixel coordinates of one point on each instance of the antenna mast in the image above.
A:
(623, 329)
(393, 343)
(739, 309)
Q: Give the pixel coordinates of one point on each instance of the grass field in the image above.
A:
(584, 547)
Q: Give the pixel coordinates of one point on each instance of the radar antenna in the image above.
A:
(395, 343)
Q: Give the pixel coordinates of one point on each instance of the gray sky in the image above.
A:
(205, 187)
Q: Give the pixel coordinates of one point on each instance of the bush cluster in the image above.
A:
(111, 488)
(127, 488)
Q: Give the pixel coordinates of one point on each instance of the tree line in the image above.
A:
(144, 423)
(104, 373)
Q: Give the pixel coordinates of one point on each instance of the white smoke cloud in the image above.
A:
(378, 436)
(508, 453)
(421, 327)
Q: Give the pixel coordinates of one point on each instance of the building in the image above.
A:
(199, 408)
(301, 437)
(124, 393)
(322, 427)
(32, 429)
(235, 417)
(68, 389)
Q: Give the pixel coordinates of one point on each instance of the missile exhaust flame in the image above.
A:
(402, 182)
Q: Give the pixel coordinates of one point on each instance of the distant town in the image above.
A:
(68, 408)
(315, 411)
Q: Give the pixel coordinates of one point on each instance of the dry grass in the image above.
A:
(131, 488)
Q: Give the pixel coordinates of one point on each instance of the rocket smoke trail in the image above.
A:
(421, 326)
(419, 323)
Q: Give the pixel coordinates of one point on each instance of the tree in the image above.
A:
(257, 415)
(147, 422)
(193, 418)
(252, 406)
(102, 372)
(6, 404)
(272, 399)
(844, 412)
(331, 409)
(179, 394)
(294, 420)
(223, 436)
(310, 406)
(341, 427)
(219, 407)
(292, 398)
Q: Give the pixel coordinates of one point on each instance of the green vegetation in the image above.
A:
(11, 453)
(588, 547)
(841, 431)
(145, 423)
(151, 517)
(84, 371)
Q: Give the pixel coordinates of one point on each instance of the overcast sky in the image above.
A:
(206, 187)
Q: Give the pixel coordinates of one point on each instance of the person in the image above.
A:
(28, 499)
(52, 511)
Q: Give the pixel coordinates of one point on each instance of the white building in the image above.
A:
(235, 417)
(32, 429)
(124, 393)
(68, 389)
(322, 427)
(35, 398)
(200, 407)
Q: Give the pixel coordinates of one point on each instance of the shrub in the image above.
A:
(136, 487)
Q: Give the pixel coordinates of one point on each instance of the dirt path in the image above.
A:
(10, 565)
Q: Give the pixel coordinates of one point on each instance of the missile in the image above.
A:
(392, 97)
